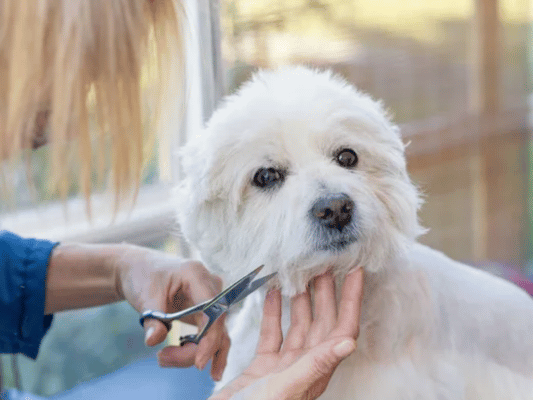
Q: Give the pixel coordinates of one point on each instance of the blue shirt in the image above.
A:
(23, 266)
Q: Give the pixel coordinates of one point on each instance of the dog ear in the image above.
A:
(202, 178)
(192, 189)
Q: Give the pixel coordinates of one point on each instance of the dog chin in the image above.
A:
(338, 245)
(339, 258)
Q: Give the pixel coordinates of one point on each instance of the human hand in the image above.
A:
(318, 339)
(154, 280)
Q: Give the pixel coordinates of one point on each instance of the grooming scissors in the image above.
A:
(213, 308)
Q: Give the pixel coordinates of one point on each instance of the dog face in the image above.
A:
(300, 172)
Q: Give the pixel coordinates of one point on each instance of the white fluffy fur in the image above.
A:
(431, 328)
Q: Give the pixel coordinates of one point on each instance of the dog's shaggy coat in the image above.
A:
(301, 172)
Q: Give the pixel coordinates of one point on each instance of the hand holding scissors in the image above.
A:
(154, 280)
(213, 308)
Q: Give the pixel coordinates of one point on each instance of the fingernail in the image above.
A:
(149, 333)
(344, 348)
(270, 295)
(357, 272)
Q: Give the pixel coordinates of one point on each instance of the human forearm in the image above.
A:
(91, 275)
(82, 275)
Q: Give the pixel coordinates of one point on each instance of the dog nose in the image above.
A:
(333, 211)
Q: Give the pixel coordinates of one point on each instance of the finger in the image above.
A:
(301, 318)
(350, 305)
(271, 335)
(216, 283)
(220, 358)
(200, 283)
(177, 356)
(325, 309)
(211, 341)
(154, 332)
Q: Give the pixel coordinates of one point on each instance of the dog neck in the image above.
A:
(396, 304)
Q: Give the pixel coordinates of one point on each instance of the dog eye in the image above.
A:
(267, 177)
(347, 158)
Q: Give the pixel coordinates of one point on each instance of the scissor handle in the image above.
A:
(213, 312)
(156, 315)
(213, 308)
(167, 318)
(189, 339)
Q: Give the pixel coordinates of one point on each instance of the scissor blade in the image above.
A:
(252, 288)
(228, 295)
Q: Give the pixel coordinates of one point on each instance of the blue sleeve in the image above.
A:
(23, 267)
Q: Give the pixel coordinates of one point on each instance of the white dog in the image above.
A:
(301, 172)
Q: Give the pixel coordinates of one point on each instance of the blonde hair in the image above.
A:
(71, 62)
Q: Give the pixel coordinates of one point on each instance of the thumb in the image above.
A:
(154, 332)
